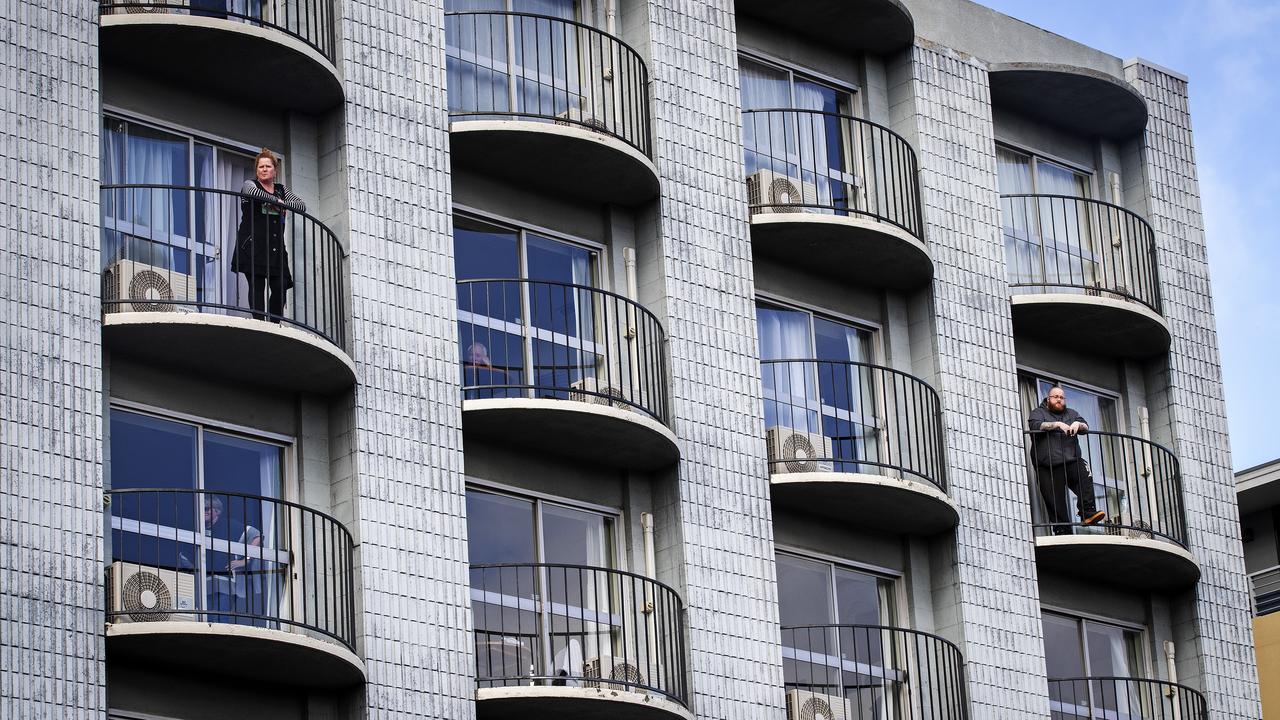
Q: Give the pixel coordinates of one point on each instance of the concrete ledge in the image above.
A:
(581, 430)
(1077, 99)
(1127, 562)
(871, 26)
(565, 160)
(223, 56)
(909, 507)
(852, 248)
(239, 349)
(259, 654)
(572, 703)
(1095, 323)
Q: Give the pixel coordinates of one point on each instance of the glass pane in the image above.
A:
(558, 368)
(804, 592)
(148, 452)
(575, 537)
(1013, 170)
(1062, 652)
(1111, 650)
(763, 86)
(481, 250)
(492, 361)
(790, 390)
(555, 305)
(859, 599)
(547, 65)
(499, 529)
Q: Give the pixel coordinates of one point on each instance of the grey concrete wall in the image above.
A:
(51, 400)
(1220, 625)
(721, 500)
(404, 445)
(998, 618)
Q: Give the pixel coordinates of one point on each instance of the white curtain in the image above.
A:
(813, 143)
(766, 135)
(790, 394)
(1021, 234)
(1070, 256)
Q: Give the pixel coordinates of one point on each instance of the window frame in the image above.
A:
(1037, 156)
(1037, 375)
(806, 73)
(1082, 621)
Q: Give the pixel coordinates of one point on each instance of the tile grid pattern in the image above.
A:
(1196, 398)
(999, 598)
(51, 513)
(730, 587)
(410, 512)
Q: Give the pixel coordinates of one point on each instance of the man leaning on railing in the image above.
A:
(1059, 465)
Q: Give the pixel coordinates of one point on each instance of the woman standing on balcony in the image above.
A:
(260, 252)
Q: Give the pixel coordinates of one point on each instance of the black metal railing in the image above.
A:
(841, 416)
(542, 339)
(537, 67)
(1108, 698)
(225, 557)
(1136, 482)
(577, 626)
(872, 671)
(1059, 243)
(168, 248)
(813, 161)
(309, 21)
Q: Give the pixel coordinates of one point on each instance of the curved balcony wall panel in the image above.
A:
(522, 66)
(576, 626)
(268, 563)
(1131, 698)
(872, 671)
(169, 248)
(560, 341)
(309, 21)
(808, 161)
(1058, 243)
(856, 418)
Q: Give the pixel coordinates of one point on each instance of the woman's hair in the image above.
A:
(266, 153)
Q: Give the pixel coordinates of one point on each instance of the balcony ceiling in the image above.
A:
(871, 26)
(1079, 100)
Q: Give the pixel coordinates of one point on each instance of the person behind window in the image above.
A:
(1059, 465)
(229, 581)
(260, 252)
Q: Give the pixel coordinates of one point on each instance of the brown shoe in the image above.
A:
(1093, 519)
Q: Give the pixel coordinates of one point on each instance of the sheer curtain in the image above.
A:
(818, 141)
(547, 56)
(478, 73)
(1021, 234)
(1064, 223)
(791, 398)
(766, 134)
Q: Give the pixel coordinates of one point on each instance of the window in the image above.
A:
(188, 233)
(1077, 648)
(200, 506)
(528, 324)
(542, 597)
(814, 147)
(813, 384)
(1048, 239)
(1109, 460)
(818, 603)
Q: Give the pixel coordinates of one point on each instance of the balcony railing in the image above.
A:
(170, 248)
(506, 65)
(309, 21)
(852, 417)
(1264, 589)
(577, 626)
(811, 161)
(224, 557)
(872, 671)
(1108, 698)
(542, 339)
(1135, 481)
(1058, 243)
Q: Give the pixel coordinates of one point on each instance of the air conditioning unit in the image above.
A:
(770, 192)
(796, 451)
(591, 390)
(809, 705)
(129, 286)
(575, 116)
(611, 668)
(136, 593)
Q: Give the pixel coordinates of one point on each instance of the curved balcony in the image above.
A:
(851, 440)
(1084, 270)
(1079, 100)
(835, 195)
(550, 104)
(872, 671)
(171, 295)
(219, 46)
(576, 641)
(1137, 483)
(564, 368)
(233, 584)
(1130, 698)
(858, 26)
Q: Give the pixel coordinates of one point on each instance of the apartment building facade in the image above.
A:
(605, 358)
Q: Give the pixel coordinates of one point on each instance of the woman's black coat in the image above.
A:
(260, 246)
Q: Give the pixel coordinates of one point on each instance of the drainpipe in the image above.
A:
(629, 262)
(1172, 692)
(1148, 472)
